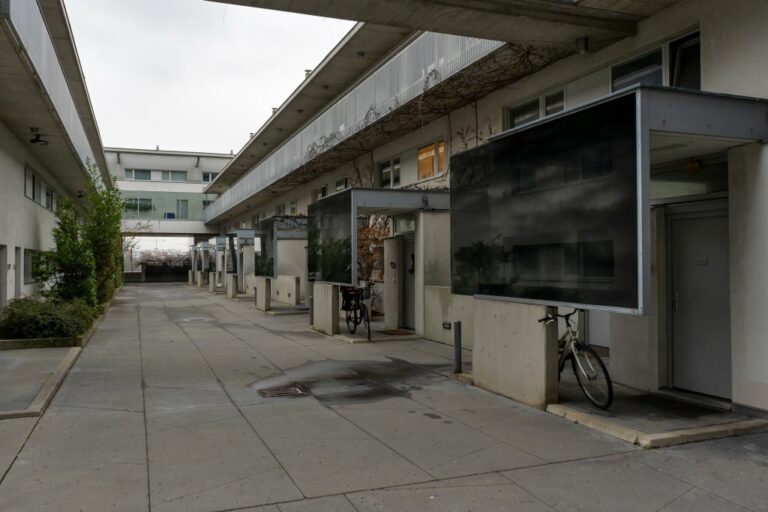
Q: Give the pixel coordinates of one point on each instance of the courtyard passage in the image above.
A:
(181, 402)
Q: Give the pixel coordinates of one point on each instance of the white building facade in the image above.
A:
(398, 121)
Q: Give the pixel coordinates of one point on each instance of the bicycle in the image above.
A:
(356, 311)
(589, 369)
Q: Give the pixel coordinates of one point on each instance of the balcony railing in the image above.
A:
(421, 65)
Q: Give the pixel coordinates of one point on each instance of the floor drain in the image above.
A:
(196, 319)
(288, 391)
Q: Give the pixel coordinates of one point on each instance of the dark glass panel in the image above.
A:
(329, 244)
(265, 248)
(643, 70)
(550, 213)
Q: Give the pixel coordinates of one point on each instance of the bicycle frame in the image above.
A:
(569, 344)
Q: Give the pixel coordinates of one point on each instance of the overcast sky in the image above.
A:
(191, 74)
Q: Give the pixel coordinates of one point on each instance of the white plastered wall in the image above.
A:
(23, 223)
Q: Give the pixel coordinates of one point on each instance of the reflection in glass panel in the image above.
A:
(550, 213)
(269, 232)
(523, 114)
(329, 244)
(643, 70)
(689, 178)
(554, 103)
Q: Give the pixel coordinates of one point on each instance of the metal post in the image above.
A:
(256, 296)
(457, 347)
(311, 301)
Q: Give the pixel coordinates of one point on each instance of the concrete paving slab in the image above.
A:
(214, 466)
(77, 434)
(735, 469)
(13, 434)
(23, 373)
(488, 493)
(330, 466)
(697, 500)
(607, 484)
(551, 438)
(327, 504)
(56, 486)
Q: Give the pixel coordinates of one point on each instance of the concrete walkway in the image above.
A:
(163, 412)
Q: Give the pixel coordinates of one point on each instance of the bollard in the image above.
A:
(255, 297)
(457, 347)
(310, 302)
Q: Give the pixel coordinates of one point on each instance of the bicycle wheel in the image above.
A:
(592, 376)
(352, 321)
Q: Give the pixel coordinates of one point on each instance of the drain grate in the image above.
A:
(289, 391)
(196, 319)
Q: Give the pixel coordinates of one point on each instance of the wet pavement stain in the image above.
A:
(340, 382)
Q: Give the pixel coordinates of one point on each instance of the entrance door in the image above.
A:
(3, 275)
(699, 302)
(409, 281)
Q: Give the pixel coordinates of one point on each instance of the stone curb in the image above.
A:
(661, 439)
(46, 393)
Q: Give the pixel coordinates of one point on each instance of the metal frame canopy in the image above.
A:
(270, 231)
(557, 212)
(333, 220)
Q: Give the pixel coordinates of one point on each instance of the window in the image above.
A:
(280, 209)
(642, 70)
(174, 175)
(324, 191)
(138, 174)
(341, 184)
(522, 114)
(554, 103)
(389, 173)
(293, 208)
(207, 203)
(431, 160)
(135, 204)
(29, 184)
(29, 258)
(685, 62)
(182, 208)
(49, 198)
(209, 176)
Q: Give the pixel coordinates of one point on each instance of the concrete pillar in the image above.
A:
(393, 288)
(249, 268)
(326, 308)
(514, 355)
(231, 285)
(191, 279)
(263, 293)
(212, 283)
(199, 278)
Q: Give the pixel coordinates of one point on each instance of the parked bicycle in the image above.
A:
(589, 369)
(356, 311)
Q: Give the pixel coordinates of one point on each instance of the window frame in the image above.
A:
(133, 177)
(542, 102)
(171, 174)
(211, 176)
(661, 49)
(390, 165)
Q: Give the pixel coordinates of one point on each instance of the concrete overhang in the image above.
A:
(361, 49)
(539, 22)
(37, 98)
(56, 19)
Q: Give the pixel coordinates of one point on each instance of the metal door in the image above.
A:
(700, 302)
(409, 281)
(3, 275)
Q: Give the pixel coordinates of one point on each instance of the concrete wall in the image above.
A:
(514, 355)
(433, 260)
(23, 223)
(292, 261)
(393, 279)
(286, 289)
(748, 175)
(326, 308)
(442, 306)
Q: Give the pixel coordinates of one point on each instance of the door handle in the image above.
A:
(675, 301)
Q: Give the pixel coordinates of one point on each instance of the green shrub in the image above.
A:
(28, 318)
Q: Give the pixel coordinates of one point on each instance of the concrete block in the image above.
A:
(231, 285)
(287, 289)
(514, 355)
(263, 293)
(440, 305)
(191, 277)
(326, 308)
(212, 283)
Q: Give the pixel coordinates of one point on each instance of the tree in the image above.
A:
(67, 272)
(102, 230)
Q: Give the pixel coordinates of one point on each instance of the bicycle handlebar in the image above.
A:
(552, 317)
